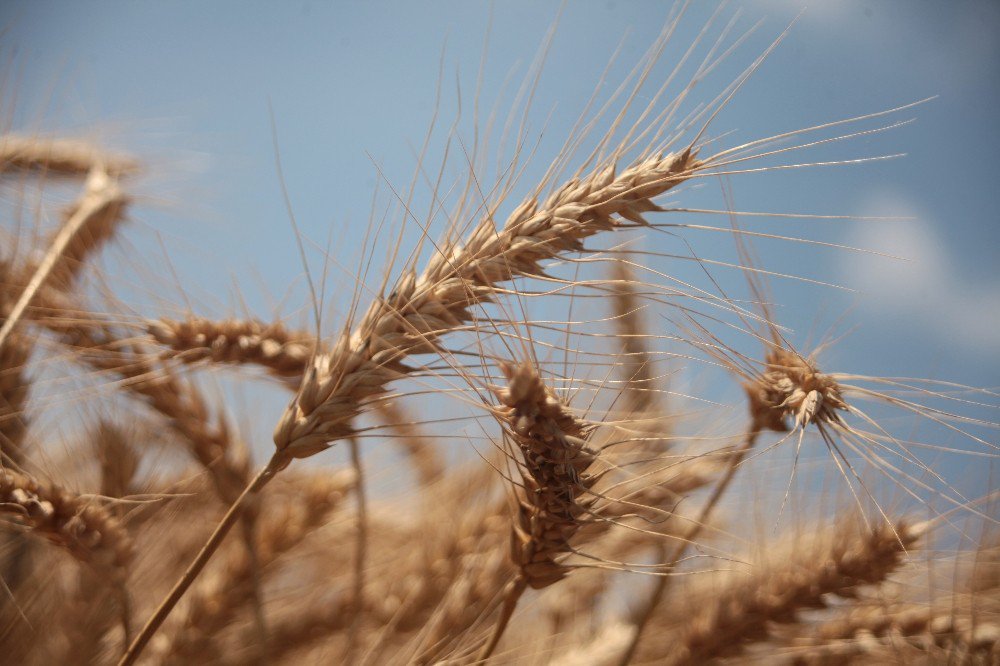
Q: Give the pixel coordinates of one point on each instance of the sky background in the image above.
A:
(188, 87)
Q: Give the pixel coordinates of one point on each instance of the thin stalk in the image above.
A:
(124, 611)
(664, 581)
(260, 622)
(514, 591)
(360, 550)
(235, 511)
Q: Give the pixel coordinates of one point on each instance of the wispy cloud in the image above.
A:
(927, 287)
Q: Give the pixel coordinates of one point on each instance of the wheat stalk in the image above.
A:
(217, 600)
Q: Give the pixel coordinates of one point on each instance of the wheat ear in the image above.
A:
(64, 157)
(88, 532)
(283, 352)
(421, 309)
(460, 277)
(554, 470)
(868, 628)
(85, 530)
(743, 612)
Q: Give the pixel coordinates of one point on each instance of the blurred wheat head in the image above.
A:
(561, 490)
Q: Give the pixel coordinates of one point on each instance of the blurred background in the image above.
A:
(352, 88)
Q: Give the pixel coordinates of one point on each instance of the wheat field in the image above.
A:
(527, 420)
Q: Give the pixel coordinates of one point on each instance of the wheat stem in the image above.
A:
(663, 582)
(276, 463)
(360, 550)
(513, 593)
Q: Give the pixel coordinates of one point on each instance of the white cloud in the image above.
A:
(924, 288)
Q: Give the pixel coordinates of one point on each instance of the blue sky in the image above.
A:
(188, 86)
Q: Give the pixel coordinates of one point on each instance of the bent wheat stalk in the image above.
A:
(91, 220)
(789, 388)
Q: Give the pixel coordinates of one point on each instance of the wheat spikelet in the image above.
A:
(790, 387)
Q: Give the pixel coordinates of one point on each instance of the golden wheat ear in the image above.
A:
(742, 611)
(284, 353)
(555, 465)
(86, 530)
(61, 157)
